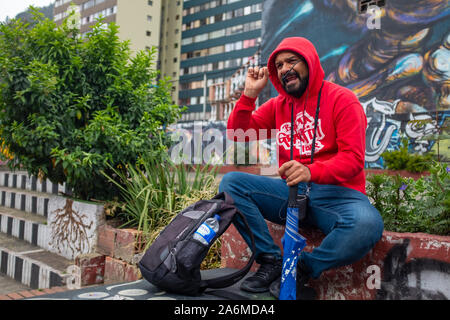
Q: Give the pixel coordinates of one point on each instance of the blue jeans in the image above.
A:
(351, 224)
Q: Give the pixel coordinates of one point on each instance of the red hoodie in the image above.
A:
(340, 142)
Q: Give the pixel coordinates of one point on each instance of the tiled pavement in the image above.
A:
(137, 290)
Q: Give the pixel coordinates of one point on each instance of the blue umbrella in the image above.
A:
(293, 243)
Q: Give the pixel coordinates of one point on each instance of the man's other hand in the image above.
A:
(255, 81)
(295, 172)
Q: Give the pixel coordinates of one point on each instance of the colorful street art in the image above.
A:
(401, 266)
(400, 72)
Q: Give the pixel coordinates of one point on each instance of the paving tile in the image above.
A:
(15, 296)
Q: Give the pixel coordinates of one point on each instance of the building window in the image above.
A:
(149, 18)
(150, 2)
(149, 33)
(88, 4)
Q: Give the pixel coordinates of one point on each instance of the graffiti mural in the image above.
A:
(73, 226)
(400, 71)
(419, 279)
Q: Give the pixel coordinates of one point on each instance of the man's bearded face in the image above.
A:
(292, 72)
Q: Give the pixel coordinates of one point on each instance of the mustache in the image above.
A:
(288, 74)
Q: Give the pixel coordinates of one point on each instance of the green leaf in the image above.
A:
(78, 104)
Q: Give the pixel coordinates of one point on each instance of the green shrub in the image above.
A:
(409, 205)
(155, 190)
(401, 159)
(75, 106)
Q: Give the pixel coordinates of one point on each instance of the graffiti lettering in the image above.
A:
(386, 127)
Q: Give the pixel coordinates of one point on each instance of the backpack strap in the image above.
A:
(230, 279)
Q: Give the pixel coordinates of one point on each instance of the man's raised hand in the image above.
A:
(256, 81)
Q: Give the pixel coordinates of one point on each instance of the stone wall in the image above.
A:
(400, 266)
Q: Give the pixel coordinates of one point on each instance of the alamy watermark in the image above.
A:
(214, 146)
(372, 8)
(374, 18)
(374, 279)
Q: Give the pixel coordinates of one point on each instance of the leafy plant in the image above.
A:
(156, 190)
(401, 159)
(74, 106)
(409, 205)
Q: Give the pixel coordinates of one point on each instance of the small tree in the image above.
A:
(70, 105)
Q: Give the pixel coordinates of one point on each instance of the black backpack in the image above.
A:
(172, 263)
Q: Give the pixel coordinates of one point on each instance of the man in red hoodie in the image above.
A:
(335, 181)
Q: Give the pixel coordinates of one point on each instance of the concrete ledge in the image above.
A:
(31, 231)
(22, 180)
(31, 269)
(73, 226)
(28, 201)
(400, 266)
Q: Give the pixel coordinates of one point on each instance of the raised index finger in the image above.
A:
(263, 72)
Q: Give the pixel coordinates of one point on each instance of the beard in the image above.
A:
(294, 91)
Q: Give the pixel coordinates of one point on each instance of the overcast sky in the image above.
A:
(12, 7)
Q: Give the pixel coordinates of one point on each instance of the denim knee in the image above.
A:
(229, 181)
(377, 226)
(369, 227)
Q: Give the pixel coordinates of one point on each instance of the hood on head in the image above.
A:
(306, 49)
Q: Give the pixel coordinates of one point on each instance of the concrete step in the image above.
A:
(24, 226)
(31, 265)
(25, 200)
(9, 285)
(22, 180)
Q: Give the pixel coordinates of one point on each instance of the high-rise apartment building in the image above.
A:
(200, 42)
(146, 23)
(218, 37)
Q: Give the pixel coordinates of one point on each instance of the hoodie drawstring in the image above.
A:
(313, 147)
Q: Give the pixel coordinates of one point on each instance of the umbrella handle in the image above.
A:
(293, 191)
(298, 201)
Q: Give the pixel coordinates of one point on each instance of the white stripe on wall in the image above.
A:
(28, 231)
(8, 199)
(42, 236)
(11, 264)
(15, 228)
(4, 224)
